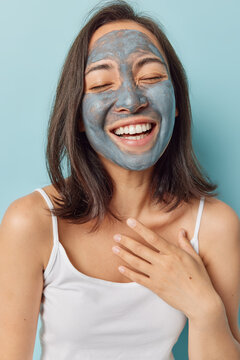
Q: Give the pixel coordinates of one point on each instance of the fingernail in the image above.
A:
(117, 237)
(121, 268)
(131, 222)
(115, 249)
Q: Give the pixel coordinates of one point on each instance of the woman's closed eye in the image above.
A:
(99, 87)
(152, 78)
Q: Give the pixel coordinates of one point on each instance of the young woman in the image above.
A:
(122, 117)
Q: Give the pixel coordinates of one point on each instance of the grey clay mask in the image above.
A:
(152, 100)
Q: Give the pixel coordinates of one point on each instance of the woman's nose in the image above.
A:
(130, 99)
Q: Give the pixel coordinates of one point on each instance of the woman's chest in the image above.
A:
(91, 253)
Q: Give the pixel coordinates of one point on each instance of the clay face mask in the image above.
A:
(127, 80)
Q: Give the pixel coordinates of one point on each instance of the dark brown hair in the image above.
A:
(86, 193)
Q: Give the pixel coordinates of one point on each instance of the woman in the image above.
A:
(122, 117)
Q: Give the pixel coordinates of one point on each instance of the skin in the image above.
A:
(130, 171)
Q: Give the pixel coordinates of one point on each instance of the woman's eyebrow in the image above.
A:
(148, 60)
(99, 67)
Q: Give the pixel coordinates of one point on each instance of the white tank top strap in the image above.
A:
(195, 241)
(55, 233)
(199, 216)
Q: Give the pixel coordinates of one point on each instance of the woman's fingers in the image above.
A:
(137, 248)
(150, 236)
(134, 276)
(134, 261)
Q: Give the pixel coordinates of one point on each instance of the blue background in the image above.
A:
(35, 38)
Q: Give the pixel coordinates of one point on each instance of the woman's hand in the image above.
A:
(175, 274)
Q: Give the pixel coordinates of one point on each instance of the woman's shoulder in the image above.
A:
(220, 227)
(28, 219)
(219, 215)
(28, 210)
(23, 211)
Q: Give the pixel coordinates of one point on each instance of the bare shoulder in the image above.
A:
(220, 210)
(220, 227)
(29, 217)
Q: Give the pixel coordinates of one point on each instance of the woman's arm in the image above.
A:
(21, 279)
(216, 335)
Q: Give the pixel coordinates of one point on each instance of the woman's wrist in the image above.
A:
(208, 312)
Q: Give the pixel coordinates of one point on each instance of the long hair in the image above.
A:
(86, 193)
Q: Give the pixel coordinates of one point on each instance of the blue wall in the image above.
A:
(35, 37)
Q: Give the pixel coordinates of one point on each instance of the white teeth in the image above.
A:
(138, 129)
(135, 137)
(133, 129)
(125, 130)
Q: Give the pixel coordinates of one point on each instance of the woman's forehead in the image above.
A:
(121, 44)
(121, 25)
(124, 25)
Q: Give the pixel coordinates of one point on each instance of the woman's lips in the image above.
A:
(150, 137)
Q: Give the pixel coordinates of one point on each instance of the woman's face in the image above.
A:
(128, 106)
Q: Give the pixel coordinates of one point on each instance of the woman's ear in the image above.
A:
(176, 112)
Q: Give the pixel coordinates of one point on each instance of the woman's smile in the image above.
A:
(138, 135)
